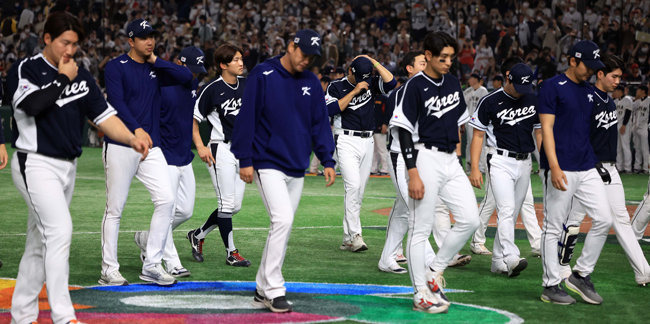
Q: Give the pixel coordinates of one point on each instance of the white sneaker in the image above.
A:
(357, 244)
(425, 301)
(460, 260)
(516, 266)
(113, 279)
(157, 275)
(400, 258)
(140, 239)
(394, 268)
(479, 249)
(179, 272)
(436, 283)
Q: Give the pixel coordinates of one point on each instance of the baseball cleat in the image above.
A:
(479, 249)
(357, 244)
(197, 246)
(140, 239)
(393, 269)
(179, 272)
(158, 275)
(435, 283)
(556, 295)
(278, 304)
(258, 300)
(113, 279)
(236, 260)
(400, 258)
(516, 267)
(460, 260)
(584, 287)
(424, 301)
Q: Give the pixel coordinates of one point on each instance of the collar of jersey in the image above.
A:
(40, 55)
(434, 82)
(505, 93)
(601, 98)
(228, 84)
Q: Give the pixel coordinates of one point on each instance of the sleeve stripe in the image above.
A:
(110, 111)
(477, 125)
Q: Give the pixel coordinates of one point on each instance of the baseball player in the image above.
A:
(473, 94)
(604, 141)
(508, 117)
(219, 103)
(488, 204)
(133, 82)
(282, 119)
(641, 215)
(53, 99)
(426, 122)
(176, 144)
(640, 132)
(349, 102)
(624, 106)
(568, 173)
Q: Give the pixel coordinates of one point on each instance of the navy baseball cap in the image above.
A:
(308, 41)
(139, 28)
(361, 69)
(589, 53)
(193, 58)
(521, 77)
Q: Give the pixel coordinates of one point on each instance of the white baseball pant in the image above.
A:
(641, 215)
(622, 226)
(121, 163)
(380, 154)
(528, 216)
(354, 158)
(281, 196)
(443, 178)
(46, 184)
(623, 151)
(588, 189)
(641, 155)
(181, 178)
(509, 180)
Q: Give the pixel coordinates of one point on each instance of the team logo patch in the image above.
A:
(438, 106)
(305, 91)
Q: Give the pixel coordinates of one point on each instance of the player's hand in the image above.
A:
(360, 87)
(416, 187)
(558, 178)
(140, 133)
(4, 157)
(140, 146)
(68, 67)
(152, 58)
(246, 174)
(476, 178)
(622, 130)
(384, 129)
(330, 175)
(205, 155)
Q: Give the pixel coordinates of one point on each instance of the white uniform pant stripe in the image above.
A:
(641, 215)
(121, 164)
(588, 189)
(181, 178)
(46, 184)
(281, 195)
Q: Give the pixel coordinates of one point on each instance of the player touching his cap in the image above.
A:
(566, 103)
(53, 99)
(282, 119)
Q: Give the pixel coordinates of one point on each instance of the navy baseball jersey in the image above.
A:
(50, 110)
(572, 104)
(360, 113)
(604, 133)
(282, 119)
(134, 90)
(219, 102)
(176, 122)
(432, 109)
(507, 121)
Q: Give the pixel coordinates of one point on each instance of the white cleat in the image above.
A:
(479, 249)
(425, 301)
(113, 279)
(158, 275)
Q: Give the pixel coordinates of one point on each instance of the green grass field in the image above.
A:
(313, 254)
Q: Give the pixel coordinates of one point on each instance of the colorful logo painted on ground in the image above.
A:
(231, 301)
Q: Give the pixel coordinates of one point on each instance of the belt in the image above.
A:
(609, 162)
(435, 148)
(516, 156)
(362, 134)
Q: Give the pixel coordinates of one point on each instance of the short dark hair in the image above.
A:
(224, 54)
(434, 42)
(612, 62)
(409, 59)
(509, 63)
(59, 22)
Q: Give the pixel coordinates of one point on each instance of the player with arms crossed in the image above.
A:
(219, 103)
(133, 82)
(568, 172)
(508, 117)
(426, 121)
(349, 102)
(176, 144)
(282, 119)
(53, 99)
(604, 138)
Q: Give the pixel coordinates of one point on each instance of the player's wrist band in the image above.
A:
(376, 64)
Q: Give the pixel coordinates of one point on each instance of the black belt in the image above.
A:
(516, 156)
(362, 134)
(435, 148)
